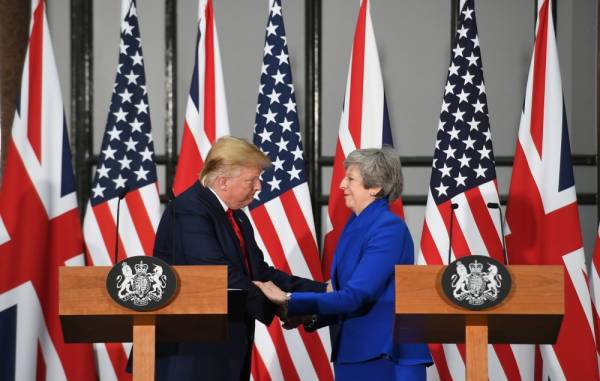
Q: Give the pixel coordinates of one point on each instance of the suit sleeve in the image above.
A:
(374, 270)
(200, 246)
(283, 280)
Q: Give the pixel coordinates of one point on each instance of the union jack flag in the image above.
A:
(126, 165)
(364, 123)
(206, 113)
(542, 213)
(40, 228)
(282, 215)
(594, 284)
(463, 173)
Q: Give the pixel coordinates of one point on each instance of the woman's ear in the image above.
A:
(373, 192)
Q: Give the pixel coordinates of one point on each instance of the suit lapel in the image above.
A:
(224, 230)
(348, 251)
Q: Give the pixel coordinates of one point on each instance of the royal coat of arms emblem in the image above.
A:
(141, 283)
(142, 286)
(476, 282)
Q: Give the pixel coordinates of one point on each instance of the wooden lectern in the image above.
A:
(531, 313)
(197, 312)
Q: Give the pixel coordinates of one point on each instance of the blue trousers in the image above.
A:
(379, 369)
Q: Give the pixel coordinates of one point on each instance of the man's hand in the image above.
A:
(272, 292)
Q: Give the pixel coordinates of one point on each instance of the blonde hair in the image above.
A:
(227, 155)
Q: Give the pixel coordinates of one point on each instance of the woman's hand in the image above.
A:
(329, 286)
(295, 321)
(272, 292)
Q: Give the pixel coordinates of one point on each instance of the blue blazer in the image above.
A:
(362, 302)
(194, 230)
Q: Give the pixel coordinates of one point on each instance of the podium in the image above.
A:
(531, 313)
(197, 312)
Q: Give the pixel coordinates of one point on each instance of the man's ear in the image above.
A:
(221, 183)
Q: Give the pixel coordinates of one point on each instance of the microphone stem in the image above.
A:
(502, 232)
(117, 231)
(450, 235)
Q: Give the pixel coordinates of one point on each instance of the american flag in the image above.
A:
(463, 173)
(364, 123)
(126, 164)
(282, 215)
(40, 228)
(206, 113)
(542, 213)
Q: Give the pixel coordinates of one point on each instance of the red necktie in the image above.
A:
(240, 238)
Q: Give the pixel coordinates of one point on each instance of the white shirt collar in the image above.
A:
(225, 207)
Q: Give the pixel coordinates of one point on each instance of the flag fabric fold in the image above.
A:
(542, 215)
(282, 214)
(364, 123)
(40, 228)
(206, 112)
(125, 169)
(464, 175)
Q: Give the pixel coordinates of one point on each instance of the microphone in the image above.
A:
(495, 205)
(120, 196)
(173, 224)
(453, 206)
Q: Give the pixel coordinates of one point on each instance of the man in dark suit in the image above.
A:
(205, 226)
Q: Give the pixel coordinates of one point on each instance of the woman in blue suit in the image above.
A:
(361, 297)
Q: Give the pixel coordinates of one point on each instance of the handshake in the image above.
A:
(281, 298)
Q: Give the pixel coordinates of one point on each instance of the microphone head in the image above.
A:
(171, 194)
(454, 205)
(123, 193)
(493, 205)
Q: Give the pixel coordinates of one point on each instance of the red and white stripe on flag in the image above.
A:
(125, 169)
(364, 123)
(284, 230)
(463, 174)
(542, 214)
(281, 214)
(40, 228)
(206, 112)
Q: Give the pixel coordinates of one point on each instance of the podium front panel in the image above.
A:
(531, 313)
(197, 312)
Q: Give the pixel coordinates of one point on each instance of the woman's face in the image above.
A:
(356, 196)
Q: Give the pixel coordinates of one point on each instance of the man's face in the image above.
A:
(237, 190)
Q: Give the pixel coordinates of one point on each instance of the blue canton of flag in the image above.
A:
(127, 159)
(276, 131)
(463, 156)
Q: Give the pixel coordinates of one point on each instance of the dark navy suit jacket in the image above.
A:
(197, 226)
(362, 302)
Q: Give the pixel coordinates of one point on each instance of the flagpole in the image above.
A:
(313, 25)
(170, 90)
(82, 96)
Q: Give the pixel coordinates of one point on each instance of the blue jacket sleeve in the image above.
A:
(388, 245)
